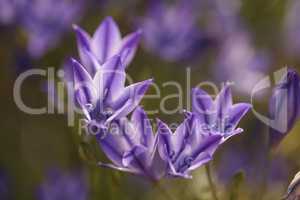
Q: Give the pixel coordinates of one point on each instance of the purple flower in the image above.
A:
(171, 31)
(131, 146)
(219, 116)
(106, 43)
(238, 56)
(104, 96)
(45, 21)
(187, 148)
(59, 186)
(284, 106)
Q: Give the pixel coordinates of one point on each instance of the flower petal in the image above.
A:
(236, 113)
(112, 166)
(83, 85)
(138, 158)
(202, 104)
(223, 102)
(114, 145)
(83, 44)
(106, 39)
(130, 99)
(129, 46)
(201, 160)
(165, 146)
(110, 79)
(143, 127)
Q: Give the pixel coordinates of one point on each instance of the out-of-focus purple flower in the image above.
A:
(45, 22)
(219, 116)
(8, 11)
(223, 17)
(284, 106)
(172, 33)
(59, 186)
(292, 27)
(251, 164)
(131, 146)
(238, 57)
(187, 148)
(4, 186)
(104, 97)
(106, 43)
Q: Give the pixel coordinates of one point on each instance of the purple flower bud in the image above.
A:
(284, 106)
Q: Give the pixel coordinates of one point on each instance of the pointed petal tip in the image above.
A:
(73, 61)
(139, 31)
(159, 122)
(75, 27)
(108, 19)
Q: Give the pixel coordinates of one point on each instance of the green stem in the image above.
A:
(211, 183)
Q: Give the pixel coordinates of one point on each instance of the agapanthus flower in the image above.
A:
(238, 56)
(131, 146)
(106, 43)
(219, 116)
(187, 148)
(171, 31)
(45, 22)
(284, 106)
(59, 186)
(104, 96)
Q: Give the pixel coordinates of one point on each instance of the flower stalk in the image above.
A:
(210, 182)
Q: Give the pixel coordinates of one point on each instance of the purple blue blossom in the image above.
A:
(131, 146)
(106, 43)
(219, 116)
(104, 96)
(59, 186)
(187, 148)
(284, 106)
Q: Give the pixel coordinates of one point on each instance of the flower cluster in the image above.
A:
(100, 92)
